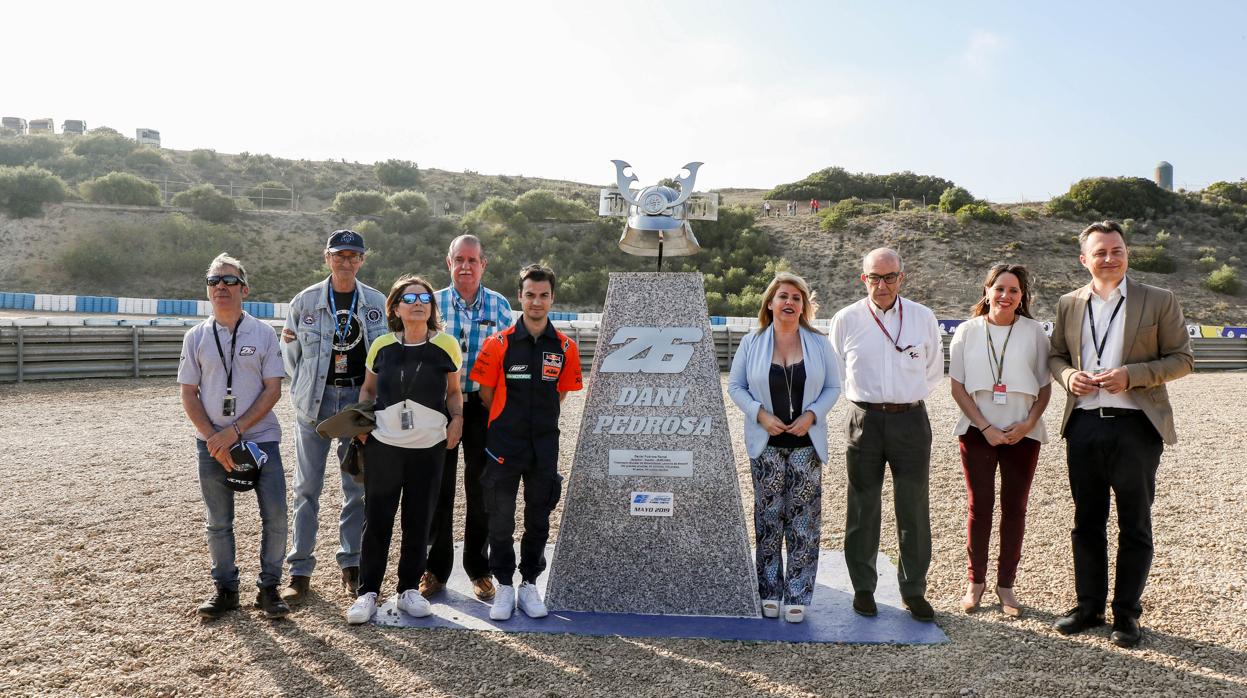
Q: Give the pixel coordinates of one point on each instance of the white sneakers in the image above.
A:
(530, 601)
(361, 611)
(504, 603)
(794, 613)
(413, 604)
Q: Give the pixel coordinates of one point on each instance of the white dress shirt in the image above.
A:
(873, 370)
(1114, 347)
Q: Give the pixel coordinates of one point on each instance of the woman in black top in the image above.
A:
(413, 377)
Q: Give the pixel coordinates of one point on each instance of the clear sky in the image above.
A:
(1009, 99)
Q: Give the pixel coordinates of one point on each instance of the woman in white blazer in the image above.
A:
(785, 379)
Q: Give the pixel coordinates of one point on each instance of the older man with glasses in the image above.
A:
(890, 358)
(328, 330)
(472, 313)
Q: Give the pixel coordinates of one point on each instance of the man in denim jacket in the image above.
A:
(328, 330)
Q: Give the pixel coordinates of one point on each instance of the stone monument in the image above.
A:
(653, 521)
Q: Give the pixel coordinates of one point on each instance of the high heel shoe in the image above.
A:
(974, 596)
(1008, 602)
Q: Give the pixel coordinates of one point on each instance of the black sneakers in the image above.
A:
(268, 600)
(222, 601)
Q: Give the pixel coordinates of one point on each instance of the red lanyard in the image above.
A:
(900, 309)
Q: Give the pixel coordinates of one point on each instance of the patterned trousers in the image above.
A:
(787, 507)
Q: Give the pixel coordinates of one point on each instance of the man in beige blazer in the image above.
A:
(1115, 344)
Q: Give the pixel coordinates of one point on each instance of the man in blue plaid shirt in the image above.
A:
(471, 313)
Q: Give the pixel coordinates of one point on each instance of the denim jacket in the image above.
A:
(307, 357)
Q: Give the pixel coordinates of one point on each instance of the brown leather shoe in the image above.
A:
(484, 589)
(350, 580)
(430, 584)
(298, 589)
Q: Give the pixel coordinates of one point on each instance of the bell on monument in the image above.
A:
(657, 215)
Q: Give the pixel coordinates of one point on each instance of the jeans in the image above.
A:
(219, 517)
(311, 451)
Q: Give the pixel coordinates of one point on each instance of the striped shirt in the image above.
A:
(471, 325)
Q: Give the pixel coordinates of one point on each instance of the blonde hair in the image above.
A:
(808, 305)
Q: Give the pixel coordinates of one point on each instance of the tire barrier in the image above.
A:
(45, 348)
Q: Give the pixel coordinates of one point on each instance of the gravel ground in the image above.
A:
(102, 562)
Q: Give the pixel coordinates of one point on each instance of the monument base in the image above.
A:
(829, 619)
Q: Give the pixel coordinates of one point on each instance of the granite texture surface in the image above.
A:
(698, 560)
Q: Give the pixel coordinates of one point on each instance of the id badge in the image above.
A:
(227, 406)
(999, 394)
(407, 419)
(339, 364)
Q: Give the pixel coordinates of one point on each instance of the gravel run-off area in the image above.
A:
(103, 560)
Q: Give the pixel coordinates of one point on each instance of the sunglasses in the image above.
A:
(411, 298)
(227, 279)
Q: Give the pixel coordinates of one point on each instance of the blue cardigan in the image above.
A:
(749, 384)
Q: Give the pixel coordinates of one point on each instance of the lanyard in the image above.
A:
(343, 328)
(900, 309)
(1095, 339)
(229, 368)
(405, 390)
(997, 363)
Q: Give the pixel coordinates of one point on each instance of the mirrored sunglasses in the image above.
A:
(411, 298)
(227, 279)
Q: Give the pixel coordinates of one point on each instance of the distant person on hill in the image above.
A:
(230, 375)
(1115, 344)
(891, 357)
(472, 313)
(524, 373)
(446, 208)
(328, 329)
(998, 366)
(785, 379)
(766, 208)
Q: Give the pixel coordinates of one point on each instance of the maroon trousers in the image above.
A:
(1017, 470)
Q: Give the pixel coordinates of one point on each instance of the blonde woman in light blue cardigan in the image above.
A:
(785, 379)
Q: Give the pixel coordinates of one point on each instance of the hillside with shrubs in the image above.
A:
(97, 214)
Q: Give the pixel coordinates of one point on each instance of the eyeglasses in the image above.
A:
(350, 258)
(885, 278)
(227, 279)
(411, 298)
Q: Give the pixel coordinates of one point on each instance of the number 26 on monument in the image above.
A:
(651, 349)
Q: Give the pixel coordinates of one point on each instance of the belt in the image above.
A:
(889, 406)
(346, 382)
(1111, 412)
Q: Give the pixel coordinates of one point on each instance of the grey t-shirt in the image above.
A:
(256, 357)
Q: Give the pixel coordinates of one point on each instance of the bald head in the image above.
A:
(885, 255)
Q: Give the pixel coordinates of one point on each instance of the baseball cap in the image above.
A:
(346, 240)
(248, 460)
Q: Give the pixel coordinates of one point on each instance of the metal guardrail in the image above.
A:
(54, 353)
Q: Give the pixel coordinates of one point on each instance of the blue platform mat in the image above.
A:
(829, 619)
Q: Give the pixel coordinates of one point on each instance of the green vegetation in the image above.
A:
(1027, 213)
(203, 158)
(1233, 192)
(24, 190)
(398, 173)
(175, 248)
(26, 150)
(1152, 258)
(146, 159)
(984, 214)
(840, 213)
(207, 203)
(361, 203)
(1206, 264)
(836, 184)
(103, 143)
(1113, 197)
(121, 188)
(270, 195)
(1224, 280)
(545, 205)
(953, 198)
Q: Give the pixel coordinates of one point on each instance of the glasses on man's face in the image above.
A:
(876, 279)
(227, 279)
(412, 298)
(348, 257)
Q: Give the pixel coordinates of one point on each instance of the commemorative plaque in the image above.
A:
(653, 521)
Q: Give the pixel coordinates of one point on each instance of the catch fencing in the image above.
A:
(51, 349)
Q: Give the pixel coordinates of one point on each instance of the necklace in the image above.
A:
(789, 372)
